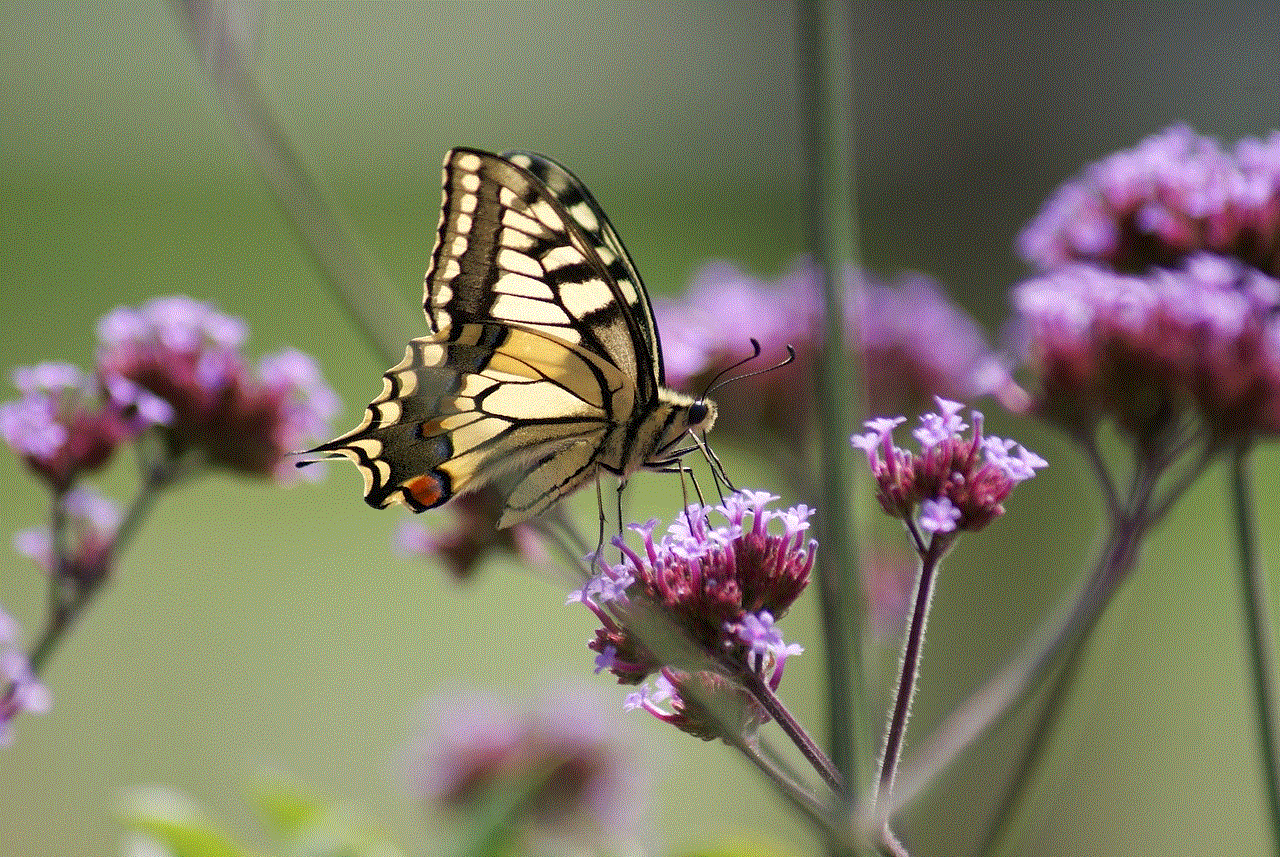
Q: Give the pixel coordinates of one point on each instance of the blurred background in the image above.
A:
(255, 628)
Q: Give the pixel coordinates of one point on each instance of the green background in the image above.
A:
(252, 628)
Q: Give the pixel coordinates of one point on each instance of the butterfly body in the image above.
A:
(543, 367)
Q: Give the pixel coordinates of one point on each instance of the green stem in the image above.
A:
(796, 794)
(1262, 658)
(1041, 734)
(75, 596)
(827, 207)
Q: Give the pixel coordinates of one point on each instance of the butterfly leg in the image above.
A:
(596, 557)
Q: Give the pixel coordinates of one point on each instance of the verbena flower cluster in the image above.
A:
(473, 536)
(1159, 298)
(914, 343)
(722, 588)
(173, 364)
(187, 353)
(1175, 194)
(1144, 349)
(577, 774)
(25, 692)
(955, 483)
(92, 521)
(67, 424)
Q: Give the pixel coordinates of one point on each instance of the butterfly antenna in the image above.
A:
(716, 383)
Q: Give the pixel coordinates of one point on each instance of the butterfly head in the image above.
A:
(679, 423)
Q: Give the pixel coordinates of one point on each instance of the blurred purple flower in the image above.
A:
(473, 536)
(65, 426)
(1175, 194)
(92, 523)
(915, 342)
(22, 691)
(1145, 350)
(187, 353)
(580, 776)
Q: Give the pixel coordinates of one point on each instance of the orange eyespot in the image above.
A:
(425, 491)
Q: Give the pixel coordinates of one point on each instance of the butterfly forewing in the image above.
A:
(591, 219)
(508, 250)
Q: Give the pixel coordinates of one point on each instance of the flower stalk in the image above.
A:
(1262, 658)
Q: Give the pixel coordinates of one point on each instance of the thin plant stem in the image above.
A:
(359, 284)
(827, 207)
(1005, 690)
(76, 596)
(1033, 754)
(1066, 628)
(760, 690)
(1262, 658)
(913, 648)
(796, 794)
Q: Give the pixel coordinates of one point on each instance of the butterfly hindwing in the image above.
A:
(482, 403)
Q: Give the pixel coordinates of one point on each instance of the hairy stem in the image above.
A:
(763, 694)
(913, 648)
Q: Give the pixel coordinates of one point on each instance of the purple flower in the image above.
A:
(1145, 350)
(473, 537)
(65, 426)
(580, 778)
(702, 703)
(723, 587)
(952, 488)
(92, 523)
(915, 343)
(1175, 194)
(186, 353)
(22, 691)
(938, 516)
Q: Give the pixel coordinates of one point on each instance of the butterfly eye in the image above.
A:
(697, 413)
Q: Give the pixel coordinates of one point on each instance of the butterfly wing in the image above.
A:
(522, 242)
(543, 362)
(582, 207)
(483, 403)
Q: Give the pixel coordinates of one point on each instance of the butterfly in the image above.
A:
(543, 366)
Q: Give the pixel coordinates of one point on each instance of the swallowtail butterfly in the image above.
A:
(543, 366)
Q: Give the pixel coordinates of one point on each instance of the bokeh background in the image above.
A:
(255, 628)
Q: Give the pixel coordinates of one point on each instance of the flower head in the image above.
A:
(955, 483)
(92, 522)
(66, 425)
(915, 343)
(1146, 350)
(20, 690)
(187, 353)
(563, 753)
(473, 537)
(721, 587)
(1175, 194)
(701, 703)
